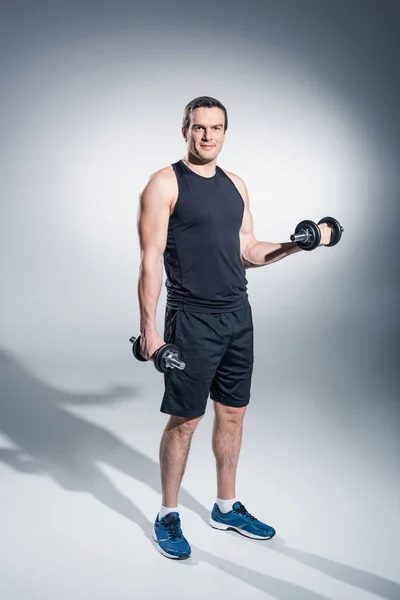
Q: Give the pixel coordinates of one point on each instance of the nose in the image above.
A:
(207, 134)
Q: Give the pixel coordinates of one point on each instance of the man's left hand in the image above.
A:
(326, 233)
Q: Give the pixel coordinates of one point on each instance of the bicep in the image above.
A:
(153, 218)
(246, 233)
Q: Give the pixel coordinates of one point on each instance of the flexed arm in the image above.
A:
(258, 254)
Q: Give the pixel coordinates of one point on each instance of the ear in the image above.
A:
(184, 133)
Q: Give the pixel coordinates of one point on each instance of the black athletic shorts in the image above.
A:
(218, 351)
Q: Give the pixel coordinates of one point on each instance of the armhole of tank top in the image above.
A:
(223, 174)
(175, 170)
(233, 184)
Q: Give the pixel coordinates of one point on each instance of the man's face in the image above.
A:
(205, 136)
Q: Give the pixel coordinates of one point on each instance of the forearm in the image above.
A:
(259, 254)
(149, 289)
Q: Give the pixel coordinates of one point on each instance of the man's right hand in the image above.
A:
(150, 343)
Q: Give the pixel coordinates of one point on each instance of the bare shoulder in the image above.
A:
(162, 182)
(239, 183)
(164, 175)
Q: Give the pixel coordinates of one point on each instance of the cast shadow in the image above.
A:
(51, 441)
(369, 582)
(54, 442)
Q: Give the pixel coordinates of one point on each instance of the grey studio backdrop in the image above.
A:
(92, 95)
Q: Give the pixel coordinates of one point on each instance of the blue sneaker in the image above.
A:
(239, 519)
(168, 534)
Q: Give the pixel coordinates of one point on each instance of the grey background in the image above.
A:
(92, 95)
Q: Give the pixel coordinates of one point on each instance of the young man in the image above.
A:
(195, 218)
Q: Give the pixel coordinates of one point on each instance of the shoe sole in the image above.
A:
(183, 556)
(223, 527)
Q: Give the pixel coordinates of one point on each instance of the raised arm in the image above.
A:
(255, 253)
(153, 216)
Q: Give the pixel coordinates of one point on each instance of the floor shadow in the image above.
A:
(280, 589)
(385, 588)
(349, 575)
(51, 441)
(54, 442)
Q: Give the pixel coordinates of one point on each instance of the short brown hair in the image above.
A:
(202, 102)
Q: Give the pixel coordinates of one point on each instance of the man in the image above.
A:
(195, 218)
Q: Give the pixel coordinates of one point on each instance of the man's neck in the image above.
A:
(199, 167)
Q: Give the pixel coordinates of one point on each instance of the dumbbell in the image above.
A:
(307, 234)
(166, 357)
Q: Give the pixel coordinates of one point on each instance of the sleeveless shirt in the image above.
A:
(202, 255)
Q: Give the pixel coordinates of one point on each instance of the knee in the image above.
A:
(229, 415)
(183, 426)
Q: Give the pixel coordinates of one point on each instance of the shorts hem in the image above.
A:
(229, 402)
(177, 413)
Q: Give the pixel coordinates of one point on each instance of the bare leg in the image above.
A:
(174, 452)
(226, 443)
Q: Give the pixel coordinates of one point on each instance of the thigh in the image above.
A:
(201, 345)
(232, 382)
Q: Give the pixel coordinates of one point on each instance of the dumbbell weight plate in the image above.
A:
(337, 230)
(136, 349)
(159, 356)
(315, 235)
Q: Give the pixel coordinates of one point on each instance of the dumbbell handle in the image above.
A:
(300, 237)
(170, 359)
(173, 362)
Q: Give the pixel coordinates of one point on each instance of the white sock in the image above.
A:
(225, 505)
(164, 511)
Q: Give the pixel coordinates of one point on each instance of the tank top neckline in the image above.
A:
(197, 175)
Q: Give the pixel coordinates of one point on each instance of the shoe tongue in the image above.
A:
(172, 516)
(237, 505)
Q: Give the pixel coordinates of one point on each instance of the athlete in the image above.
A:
(194, 219)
